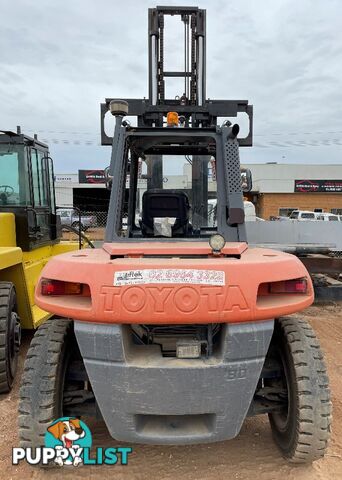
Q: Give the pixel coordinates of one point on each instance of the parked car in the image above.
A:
(303, 215)
(72, 218)
(328, 217)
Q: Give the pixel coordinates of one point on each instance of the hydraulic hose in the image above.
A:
(79, 233)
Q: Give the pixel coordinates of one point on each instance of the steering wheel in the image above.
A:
(6, 190)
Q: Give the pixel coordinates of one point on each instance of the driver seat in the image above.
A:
(160, 203)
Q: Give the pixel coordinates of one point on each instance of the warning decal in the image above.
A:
(175, 276)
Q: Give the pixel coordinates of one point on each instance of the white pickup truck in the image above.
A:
(306, 215)
(72, 218)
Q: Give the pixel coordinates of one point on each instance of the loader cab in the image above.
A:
(27, 189)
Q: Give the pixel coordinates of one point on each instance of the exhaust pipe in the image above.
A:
(233, 131)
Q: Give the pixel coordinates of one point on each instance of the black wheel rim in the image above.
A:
(281, 419)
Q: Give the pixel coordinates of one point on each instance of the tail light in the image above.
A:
(298, 285)
(58, 287)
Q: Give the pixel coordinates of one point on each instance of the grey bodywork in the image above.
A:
(144, 397)
(296, 237)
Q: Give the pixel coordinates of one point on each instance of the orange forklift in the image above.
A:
(175, 330)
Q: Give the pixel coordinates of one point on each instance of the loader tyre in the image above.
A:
(41, 391)
(302, 429)
(9, 336)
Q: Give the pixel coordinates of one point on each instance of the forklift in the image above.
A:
(176, 330)
(30, 235)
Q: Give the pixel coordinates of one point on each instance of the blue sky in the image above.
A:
(59, 60)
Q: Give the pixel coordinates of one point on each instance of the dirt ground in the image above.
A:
(252, 455)
(92, 233)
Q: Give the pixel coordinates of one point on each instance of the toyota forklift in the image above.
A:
(30, 235)
(176, 330)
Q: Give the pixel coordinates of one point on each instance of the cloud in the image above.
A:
(59, 60)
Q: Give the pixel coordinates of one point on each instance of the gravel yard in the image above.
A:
(251, 455)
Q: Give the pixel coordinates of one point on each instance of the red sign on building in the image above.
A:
(322, 186)
(91, 176)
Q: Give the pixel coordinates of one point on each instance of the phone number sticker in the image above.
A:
(175, 276)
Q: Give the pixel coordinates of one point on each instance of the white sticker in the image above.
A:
(141, 277)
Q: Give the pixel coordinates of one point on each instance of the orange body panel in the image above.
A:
(235, 300)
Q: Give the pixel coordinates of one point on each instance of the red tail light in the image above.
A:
(58, 287)
(299, 285)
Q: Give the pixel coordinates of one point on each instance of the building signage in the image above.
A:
(66, 178)
(91, 176)
(323, 186)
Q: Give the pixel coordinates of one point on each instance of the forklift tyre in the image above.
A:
(302, 431)
(9, 336)
(41, 391)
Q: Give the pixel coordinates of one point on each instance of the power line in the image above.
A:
(283, 142)
(97, 133)
(258, 144)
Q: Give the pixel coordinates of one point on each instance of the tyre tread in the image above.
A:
(313, 412)
(38, 391)
(5, 297)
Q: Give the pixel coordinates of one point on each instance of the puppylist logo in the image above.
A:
(68, 441)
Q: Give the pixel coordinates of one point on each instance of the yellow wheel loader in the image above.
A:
(30, 234)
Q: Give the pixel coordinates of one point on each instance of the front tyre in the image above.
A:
(41, 392)
(302, 429)
(9, 336)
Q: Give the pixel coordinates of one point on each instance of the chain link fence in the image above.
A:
(93, 223)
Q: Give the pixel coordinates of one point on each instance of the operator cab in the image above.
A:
(27, 189)
(174, 178)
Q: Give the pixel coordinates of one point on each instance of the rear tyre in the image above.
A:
(41, 392)
(9, 336)
(302, 429)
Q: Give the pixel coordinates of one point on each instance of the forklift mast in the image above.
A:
(194, 55)
(191, 104)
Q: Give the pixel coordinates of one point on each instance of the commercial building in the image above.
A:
(277, 188)
(280, 188)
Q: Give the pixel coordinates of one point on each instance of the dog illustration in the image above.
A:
(67, 431)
